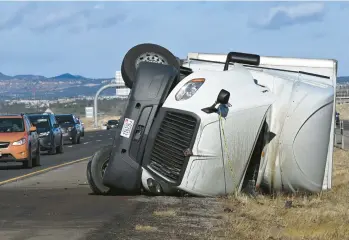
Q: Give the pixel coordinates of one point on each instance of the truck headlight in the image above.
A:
(189, 89)
(19, 142)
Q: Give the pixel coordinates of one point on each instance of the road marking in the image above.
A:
(110, 138)
(70, 146)
(42, 171)
(101, 135)
(86, 142)
(98, 140)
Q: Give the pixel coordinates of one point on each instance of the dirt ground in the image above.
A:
(88, 122)
(343, 110)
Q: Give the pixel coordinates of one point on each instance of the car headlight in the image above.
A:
(43, 134)
(189, 89)
(19, 142)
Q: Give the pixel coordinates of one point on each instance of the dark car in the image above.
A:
(50, 134)
(71, 127)
(337, 118)
(82, 127)
(112, 124)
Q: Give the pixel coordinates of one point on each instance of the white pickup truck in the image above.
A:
(215, 124)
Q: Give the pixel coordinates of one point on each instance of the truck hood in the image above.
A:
(245, 94)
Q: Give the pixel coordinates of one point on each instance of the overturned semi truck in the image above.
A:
(215, 124)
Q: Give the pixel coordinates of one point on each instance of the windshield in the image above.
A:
(11, 125)
(112, 122)
(41, 123)
(61, 119)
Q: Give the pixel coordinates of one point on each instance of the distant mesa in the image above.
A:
(62, 77)
(69, 76)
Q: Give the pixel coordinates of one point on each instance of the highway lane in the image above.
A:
(58, 205)
(90, 143)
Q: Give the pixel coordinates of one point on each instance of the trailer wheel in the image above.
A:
(145, 52)
(96, 168)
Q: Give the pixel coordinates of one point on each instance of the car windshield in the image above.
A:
(112, 122)
(61, 119)
(42, 123)
(11, 125)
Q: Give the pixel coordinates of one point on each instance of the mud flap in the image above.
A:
(152, 86)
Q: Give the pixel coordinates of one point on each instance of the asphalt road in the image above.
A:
(90, 143)
(59, 204)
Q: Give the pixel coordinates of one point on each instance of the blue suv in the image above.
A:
(49, 131)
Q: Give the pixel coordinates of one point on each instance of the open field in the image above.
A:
(323, 216)
(343, 110)
(88, 122)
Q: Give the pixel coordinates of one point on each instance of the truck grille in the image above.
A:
(4, 144)
(174, 136)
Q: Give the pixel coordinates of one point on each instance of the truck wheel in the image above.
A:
(145, 52)
(96, 168)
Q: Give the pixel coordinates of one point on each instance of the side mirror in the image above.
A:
(56, 125)
(32, 129)
(222, 98)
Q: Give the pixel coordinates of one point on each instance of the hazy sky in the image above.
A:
(91, 38)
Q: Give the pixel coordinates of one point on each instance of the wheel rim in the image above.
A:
(151, 57)
(104, 167)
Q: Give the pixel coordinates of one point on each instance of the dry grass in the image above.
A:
(89, 122)
(145, 228)
(324, 216)
(165, 213)
(343, 110)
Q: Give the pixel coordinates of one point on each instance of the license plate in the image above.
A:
(127, 128)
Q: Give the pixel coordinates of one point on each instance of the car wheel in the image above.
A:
(60, 148)
(29, 162)
(96, 168)
(146, 52)
(53, 150)
(37, 158)
(74, 139)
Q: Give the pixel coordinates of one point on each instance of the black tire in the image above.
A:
(53, 150)
(128, 66)
(79, 140)
(94, 171)
(60, 148)
(74, 139)
(29, 162)
(37, 160)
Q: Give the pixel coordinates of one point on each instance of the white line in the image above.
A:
(86, 142)
(101, 135)
(110, 138)
(70, 146)
(98, 140)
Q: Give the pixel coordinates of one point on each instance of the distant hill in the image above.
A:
(64, 85)
(343, 79)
